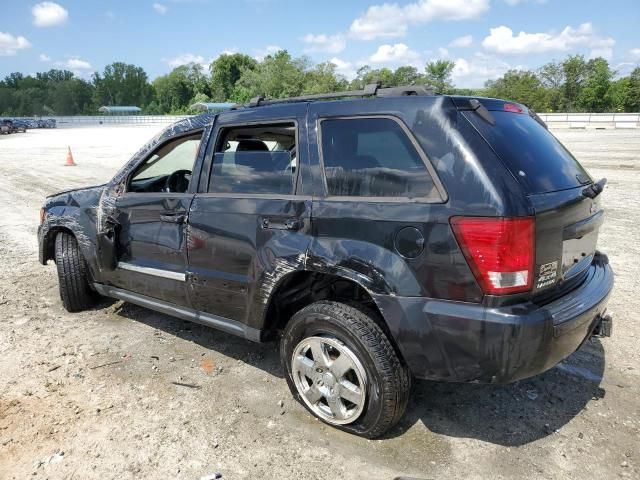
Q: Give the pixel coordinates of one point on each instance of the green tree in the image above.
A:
(594, 96)
(552, 78)
(323, 78)
(174, 92)
(575, 74)
(633, 102)
(226, 70)
(619, 95)
(438, 74)
(122, 84)
(366, 75)
(407, 76)
(71, 97)
(277, 76)
(520, 86)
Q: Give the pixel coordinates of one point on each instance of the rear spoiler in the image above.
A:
(484, 106)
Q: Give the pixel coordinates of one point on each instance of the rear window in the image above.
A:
(532, 154)
(372, 157)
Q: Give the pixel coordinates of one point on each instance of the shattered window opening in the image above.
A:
(255, 159)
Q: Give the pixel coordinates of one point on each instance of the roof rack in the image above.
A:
(371, 90)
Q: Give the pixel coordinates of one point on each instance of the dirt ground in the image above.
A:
(121, 392)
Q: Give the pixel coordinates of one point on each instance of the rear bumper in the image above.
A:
(464, 342)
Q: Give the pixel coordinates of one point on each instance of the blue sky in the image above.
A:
(484, 37)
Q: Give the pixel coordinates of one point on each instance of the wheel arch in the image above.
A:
(49, 243)
(300, 288)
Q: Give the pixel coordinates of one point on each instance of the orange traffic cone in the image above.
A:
(69, 162)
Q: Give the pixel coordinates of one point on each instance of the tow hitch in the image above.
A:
(604, 326)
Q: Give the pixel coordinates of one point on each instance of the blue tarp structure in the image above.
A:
(117, 110)
(212, 107)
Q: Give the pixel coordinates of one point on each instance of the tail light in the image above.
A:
(510, 107)
(500, 251)
(41, 216)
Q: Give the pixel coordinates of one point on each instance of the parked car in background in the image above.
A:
(20, 125)
(7, 126)
(403, 235)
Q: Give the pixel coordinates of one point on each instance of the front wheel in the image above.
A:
(342, 367)
(73, 275)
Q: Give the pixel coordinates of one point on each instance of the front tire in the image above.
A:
(73, 276)
(343, 369)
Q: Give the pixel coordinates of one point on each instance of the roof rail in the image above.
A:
(371, 90)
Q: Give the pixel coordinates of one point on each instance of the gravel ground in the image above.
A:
(121, 392)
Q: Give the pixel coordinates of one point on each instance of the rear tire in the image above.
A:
(73, 275)
(374, 391)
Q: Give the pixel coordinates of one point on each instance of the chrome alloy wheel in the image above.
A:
(330, 379)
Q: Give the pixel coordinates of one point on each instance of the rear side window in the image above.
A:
(372, 157)
(256, 159)
(532, 154)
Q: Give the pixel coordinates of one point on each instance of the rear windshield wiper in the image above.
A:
(595, 189)
(537, 118)
(481, 110)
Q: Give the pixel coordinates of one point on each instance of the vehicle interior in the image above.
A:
(169, 168)
(255, 159)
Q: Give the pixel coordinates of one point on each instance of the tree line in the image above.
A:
(574, 84)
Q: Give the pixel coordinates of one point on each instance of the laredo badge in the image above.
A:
(547, 276)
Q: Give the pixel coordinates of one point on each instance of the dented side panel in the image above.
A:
(240, 246)
(360, 237)
(74, 211)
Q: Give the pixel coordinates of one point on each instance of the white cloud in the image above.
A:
(160, 8)
(49, 14)
(75, 64)
(44, 57)
(261, 53)
(345, 68)
(185, 59)
(392, 20)
(518, 2)
(635, 52)
(324, 43)
(473, 72)
(462, 42)
(397, 53)
(229, 51)
(9, 45)
(502, 40)
(443, 52)
(624, 68)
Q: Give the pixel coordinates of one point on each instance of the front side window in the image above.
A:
(256, 159)
(169, 168)
(372, 157)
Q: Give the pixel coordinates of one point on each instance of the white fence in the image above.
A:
(120, 119)
(591, 120)
(554, 120)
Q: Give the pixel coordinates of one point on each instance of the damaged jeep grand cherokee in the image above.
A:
(385, 234)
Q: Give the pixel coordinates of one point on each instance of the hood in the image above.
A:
(77, 197)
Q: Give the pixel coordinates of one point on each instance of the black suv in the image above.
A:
(378, 234)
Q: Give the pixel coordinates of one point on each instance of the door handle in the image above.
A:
(292, 224)
(173, 218)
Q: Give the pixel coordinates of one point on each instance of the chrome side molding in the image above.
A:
(156, 272)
